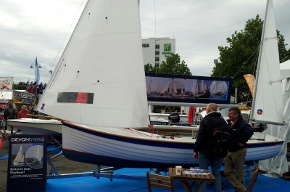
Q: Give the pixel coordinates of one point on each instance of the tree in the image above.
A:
(241, 56)
(172, 66)
(149, 68)
(19, 86)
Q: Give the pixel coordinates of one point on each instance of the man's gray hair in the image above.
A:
(213, 106)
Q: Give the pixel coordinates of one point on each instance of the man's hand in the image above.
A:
(241, 144)
(195, 156)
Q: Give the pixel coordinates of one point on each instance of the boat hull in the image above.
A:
(51, 128)
(96, 147)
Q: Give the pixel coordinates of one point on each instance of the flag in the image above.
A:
(251, 82)
(36, 72)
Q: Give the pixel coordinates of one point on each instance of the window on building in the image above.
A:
(156, 64)
(156, 52)
(145, 45)
(157, 46)
(156, 58)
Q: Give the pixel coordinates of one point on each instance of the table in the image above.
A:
(184, 178)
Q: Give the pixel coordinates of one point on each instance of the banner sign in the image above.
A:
(6, 83)
(188, 89)
(250, 79)
(27, 163)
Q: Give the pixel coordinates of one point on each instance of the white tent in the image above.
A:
(278, 165)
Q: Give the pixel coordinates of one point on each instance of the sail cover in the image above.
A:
(267, 106)
(100, 77)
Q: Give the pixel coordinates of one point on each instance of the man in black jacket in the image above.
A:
(9, 113)
(202, 149)
(240, 133)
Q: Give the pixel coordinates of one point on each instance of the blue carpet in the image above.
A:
(53, 149)
(4, 157)
(90, 184)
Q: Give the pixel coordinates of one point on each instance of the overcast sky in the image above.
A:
(41, 28)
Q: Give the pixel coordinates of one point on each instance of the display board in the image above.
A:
(27, 163)
(189, 89)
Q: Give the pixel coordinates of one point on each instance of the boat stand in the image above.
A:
(106, 172)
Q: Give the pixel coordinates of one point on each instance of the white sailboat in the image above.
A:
(38, 154)
(268, 106)
(166, 88)
(267, 101)
(202, 87)
(158, 89)
(108, 126)
(19, 159)
(149, 87)
(194, 88)
(218, 88)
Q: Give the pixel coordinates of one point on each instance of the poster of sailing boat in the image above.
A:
(27, 164)
(18, 152)
(19, 159)
(194, 89)
(34, 157)
(218, 90)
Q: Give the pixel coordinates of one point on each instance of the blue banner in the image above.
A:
(36, 72)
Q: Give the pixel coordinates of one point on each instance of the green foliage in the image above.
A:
(173, 66)
(241, 55)
(149, 68)
(19, 86)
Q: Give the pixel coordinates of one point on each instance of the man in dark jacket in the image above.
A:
(202, 148)
(9, 113)
(240, 133)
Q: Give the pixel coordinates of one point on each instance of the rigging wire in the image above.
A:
(62, 44)
(245, 62)
(254, 69)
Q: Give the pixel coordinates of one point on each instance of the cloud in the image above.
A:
(38, 28)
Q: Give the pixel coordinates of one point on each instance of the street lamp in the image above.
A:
(215, 61)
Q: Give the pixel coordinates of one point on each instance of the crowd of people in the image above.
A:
(34, 88)
(12, 112)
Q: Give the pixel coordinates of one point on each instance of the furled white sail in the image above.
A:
(267, 103)
(202, 87)
(100, 77)
(38, 153)
(194, 88)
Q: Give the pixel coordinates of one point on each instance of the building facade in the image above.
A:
(155, 50)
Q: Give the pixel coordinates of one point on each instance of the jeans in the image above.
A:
(215, 163)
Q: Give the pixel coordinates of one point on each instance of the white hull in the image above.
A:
(51, 128)
(133, 148)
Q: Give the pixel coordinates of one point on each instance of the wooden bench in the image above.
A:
(154, 180)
